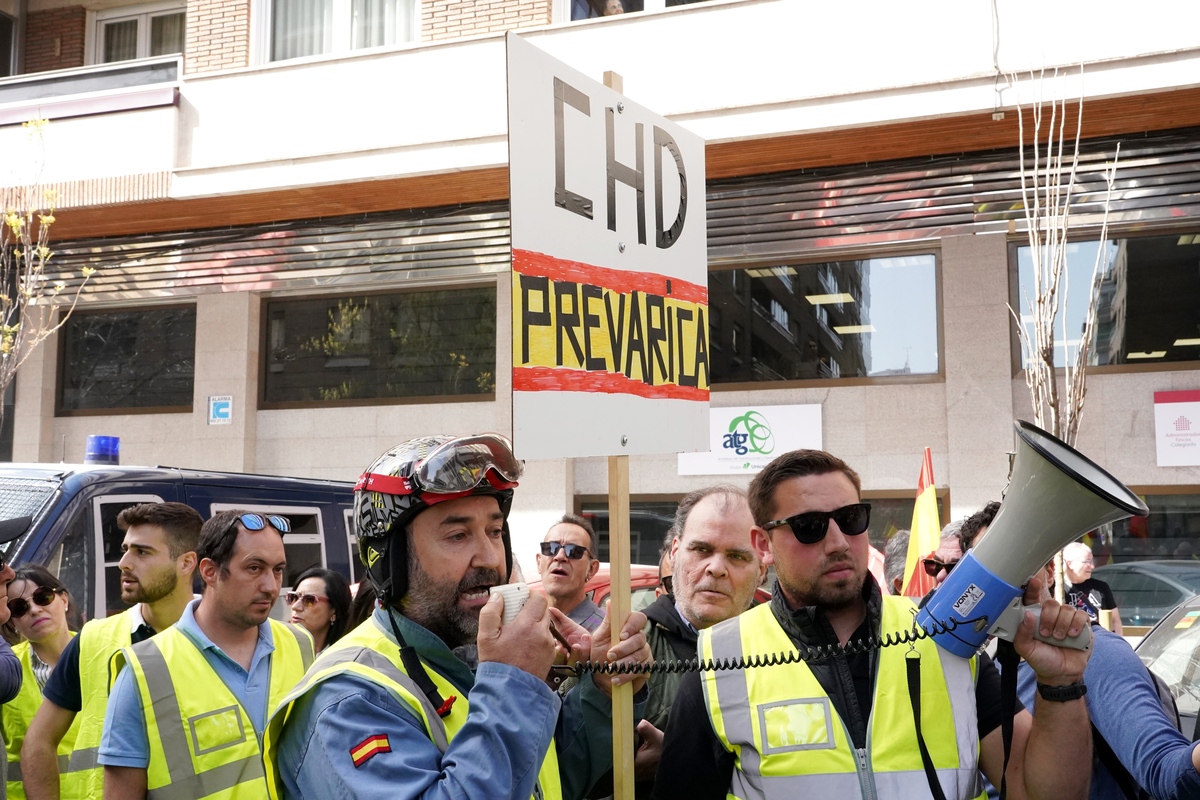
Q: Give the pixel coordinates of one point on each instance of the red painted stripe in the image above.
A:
(370, 747)
(1177, 397)
(552, 379)
(527, 262)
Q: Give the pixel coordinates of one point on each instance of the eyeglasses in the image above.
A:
(933, 566)
(310, 600)
(19, 606)
(256, 522)
(667, 585)
(811, 526)
(573, 551)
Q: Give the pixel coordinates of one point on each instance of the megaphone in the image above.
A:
(1055, 495)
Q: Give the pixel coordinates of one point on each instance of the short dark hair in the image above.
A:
(973, 524)
(575, 519)
(219, 536)
(796, 464)
(338, 592)
(688, 504)
(179, 521)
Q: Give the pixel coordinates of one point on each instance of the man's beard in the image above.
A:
(816, 593)
(433, 604)
(154, 588)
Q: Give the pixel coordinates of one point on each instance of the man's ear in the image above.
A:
(186, 563)
(593, 568)
(761, 541)
(209, 571)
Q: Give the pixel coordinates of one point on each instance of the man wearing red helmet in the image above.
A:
(385, 711)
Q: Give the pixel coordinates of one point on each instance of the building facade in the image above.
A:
(302, 206)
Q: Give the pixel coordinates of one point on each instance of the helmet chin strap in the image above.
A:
(416, 670)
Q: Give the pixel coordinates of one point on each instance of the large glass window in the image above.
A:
(1148, 303)
(139, 32)
(312, 27)
(409, 345)
(872, 317)
(128, 359)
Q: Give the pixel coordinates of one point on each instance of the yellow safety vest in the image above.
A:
(15, 716)
(202, 743)
(788, 740)
(368, 653)
(98, 640)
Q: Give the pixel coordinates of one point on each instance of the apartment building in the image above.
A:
(300, 206)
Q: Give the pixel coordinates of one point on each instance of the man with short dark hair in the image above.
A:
(156, 575)
(770, 730)
(976, 525)
(566, 562)
(189, 705)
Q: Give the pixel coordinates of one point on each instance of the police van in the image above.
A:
(70, 515)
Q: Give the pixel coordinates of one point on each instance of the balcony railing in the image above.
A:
(96, 89)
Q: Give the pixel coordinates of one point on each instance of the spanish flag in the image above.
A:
(925, 533)
(371, 746)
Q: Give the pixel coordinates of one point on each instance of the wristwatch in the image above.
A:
(1062, 694)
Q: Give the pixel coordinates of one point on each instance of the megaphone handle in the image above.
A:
(1006, 627)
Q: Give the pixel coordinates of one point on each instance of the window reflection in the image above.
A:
(845, 319)
(1148, 306)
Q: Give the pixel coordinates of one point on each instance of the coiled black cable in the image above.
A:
(803, 653)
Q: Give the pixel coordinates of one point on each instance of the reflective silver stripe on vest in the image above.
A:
(733, 698)
(960, 686)
(305, 643)
(84, 759)
(185, 783)
(14, 768)
(956, 783)
(369, 658)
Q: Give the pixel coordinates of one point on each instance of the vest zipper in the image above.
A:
(865, 779)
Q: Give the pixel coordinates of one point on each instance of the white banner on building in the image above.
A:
(744, 439)
(1177, 428)
(609, 269)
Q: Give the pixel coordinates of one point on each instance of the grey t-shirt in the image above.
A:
(587, 614)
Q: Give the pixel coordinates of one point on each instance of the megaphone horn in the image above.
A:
(1055, 495)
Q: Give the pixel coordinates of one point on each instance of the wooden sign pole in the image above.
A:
(620, 605)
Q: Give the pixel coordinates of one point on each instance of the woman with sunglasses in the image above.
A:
(321, 604)
(38, 606)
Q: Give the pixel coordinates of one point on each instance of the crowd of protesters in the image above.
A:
(419, 685)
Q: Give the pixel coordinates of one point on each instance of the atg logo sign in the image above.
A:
(749, 433)
(744, 439)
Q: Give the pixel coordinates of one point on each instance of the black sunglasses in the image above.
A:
(19, 606)
(933, 566)
(811, 526)
(573, 551)
(256, 522)
(667, 584)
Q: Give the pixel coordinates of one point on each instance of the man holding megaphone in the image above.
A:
(843, 723)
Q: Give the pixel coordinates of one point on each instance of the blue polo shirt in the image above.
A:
(124, 743)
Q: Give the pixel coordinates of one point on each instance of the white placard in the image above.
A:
(744, 439)
(1177, 428)
(610, 270)
(220, 409)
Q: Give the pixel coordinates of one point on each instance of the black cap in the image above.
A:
(12, 528)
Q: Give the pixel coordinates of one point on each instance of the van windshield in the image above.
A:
(24, 497)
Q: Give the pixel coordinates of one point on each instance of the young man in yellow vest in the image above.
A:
(434, 696)
(188, 706)
(844, 726)
(159, 557)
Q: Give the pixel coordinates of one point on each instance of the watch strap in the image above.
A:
(1062, 694)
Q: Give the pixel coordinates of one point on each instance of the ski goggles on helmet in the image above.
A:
(451, 470)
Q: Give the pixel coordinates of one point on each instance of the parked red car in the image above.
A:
(643, 581)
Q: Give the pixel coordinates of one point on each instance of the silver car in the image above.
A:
(1146, 590)
(1172, 651)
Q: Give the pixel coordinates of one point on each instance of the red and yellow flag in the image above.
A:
(925, 533)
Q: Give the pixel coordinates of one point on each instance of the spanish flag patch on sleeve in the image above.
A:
(371, 746)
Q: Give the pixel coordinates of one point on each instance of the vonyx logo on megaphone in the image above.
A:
(1055, 495)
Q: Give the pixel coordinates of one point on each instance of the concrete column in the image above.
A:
(33, 408)
(227, 350)
(976, 326)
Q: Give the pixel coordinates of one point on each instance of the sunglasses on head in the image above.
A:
(933, 566)
(19, 606)
(811, 526)
(256, 522)
(573, 551)
(310, 600)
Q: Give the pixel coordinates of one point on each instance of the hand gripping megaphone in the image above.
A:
(1055, 495)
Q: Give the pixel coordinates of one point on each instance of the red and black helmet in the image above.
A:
(411, 477)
